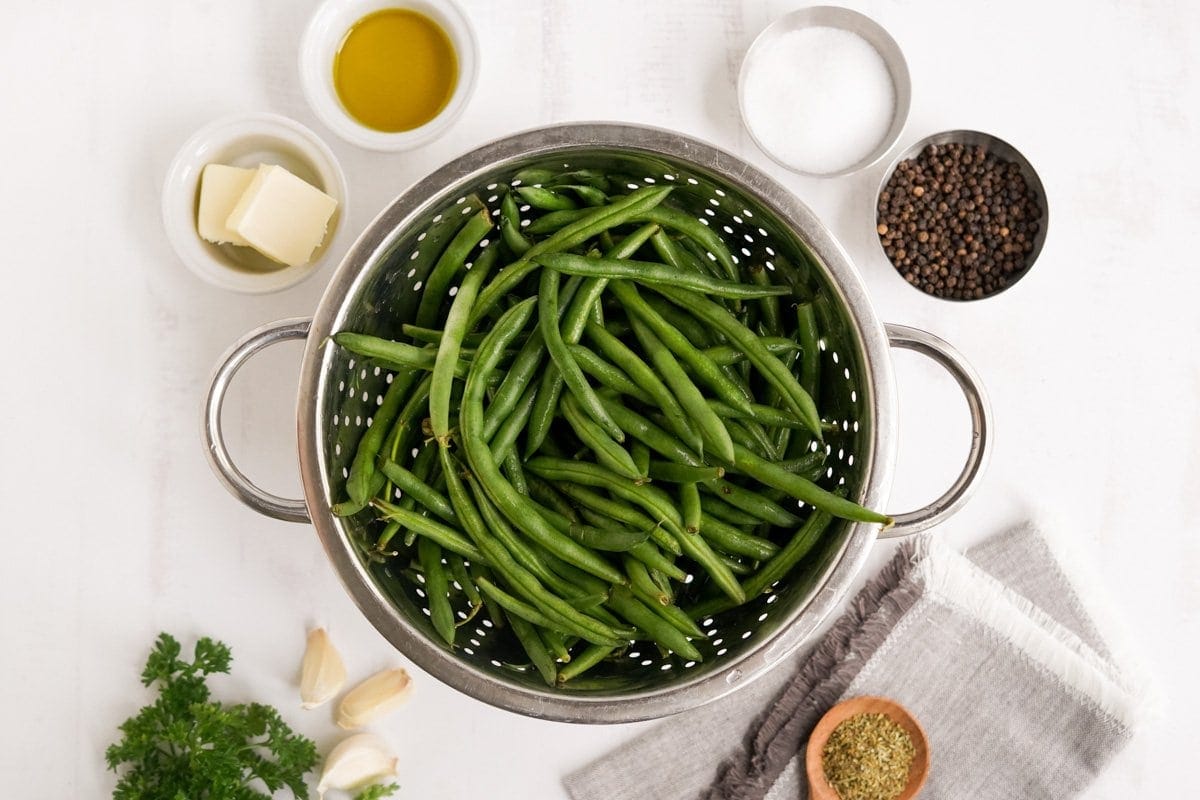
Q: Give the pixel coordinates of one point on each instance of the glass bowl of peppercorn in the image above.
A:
(961, 215)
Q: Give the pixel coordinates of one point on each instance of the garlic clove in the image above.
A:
(357, 761)
(377, 695)
(322, 673)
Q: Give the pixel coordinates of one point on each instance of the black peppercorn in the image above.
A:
(973, 201)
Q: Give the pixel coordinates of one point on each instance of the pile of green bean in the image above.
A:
(606, 407)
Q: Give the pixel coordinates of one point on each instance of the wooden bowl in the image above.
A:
(818, 786)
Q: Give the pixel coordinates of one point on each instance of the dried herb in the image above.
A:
(867, 757)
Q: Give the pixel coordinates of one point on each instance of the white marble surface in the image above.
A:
(115, 529)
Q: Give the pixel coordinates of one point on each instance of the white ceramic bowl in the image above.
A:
(320, 45)
(246, 141)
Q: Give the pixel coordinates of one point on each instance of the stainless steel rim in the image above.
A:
(879, 394)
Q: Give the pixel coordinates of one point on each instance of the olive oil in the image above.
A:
(395, 70)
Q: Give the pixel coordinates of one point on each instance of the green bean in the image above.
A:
(663, 582)
(447, 537)
(730, 540)
(494, 612)
(609, 539)
(448, 349)
(396, 355)
(437, 589)
(519, 375)
(385, 536)
(422, 469)
(653, 558)
(640, 373)
(692, 228)
(572, 375)
(588, 602)
(607, 374)
(588, 194)
(697, 258)
(803, 489)
(641, 457)
(545, 199)
(769, 306)
(670, 613)
(555, 643)
(534, 175)
(765, 415)
(752, 436)
(673, 472)
(724, 355)
(769, 366)
(641, 584)
(514, 506)
(545, 407)
(519, 608)
(516, 473)
(362, 468)
(689, 507)
(506, 436)
(510, 226)
(752, 502)
(809, 338)
(631, 608)
(421, 491)
(650, 498)
(607, 452)
(434, 335)
(554, 607)
(590, 224)
(735, 566)
(620, 512)
(653, 274)
(592, 655)
(433, 295)
(458, 569)
(712, 505)
(555, 221)
(523, 552)
(647, 432)
(666, 250)
(688, 325)
(532, 644)
(805, 465)
(712, 430)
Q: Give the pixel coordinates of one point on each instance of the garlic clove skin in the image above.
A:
(322, 673)
(377, 695)
(357, 761)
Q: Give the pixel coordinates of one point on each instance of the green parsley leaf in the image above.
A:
(184, 746)
(378, 791)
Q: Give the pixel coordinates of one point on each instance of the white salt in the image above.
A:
(819, 99)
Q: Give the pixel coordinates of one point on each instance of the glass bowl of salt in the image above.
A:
(824, 91)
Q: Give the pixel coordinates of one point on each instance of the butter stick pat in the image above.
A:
(220, 189)
(281, 216)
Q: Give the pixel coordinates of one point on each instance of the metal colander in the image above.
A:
(377, 288)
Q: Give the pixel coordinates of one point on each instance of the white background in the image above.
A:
(114, 529)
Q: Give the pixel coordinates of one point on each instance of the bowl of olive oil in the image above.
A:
(388, 75)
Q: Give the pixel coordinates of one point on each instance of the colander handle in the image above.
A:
(219, 459)
(981, 431)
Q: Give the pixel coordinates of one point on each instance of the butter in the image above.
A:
(281, 216)
(220, 189)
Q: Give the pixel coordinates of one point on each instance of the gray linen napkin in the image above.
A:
(993, 653)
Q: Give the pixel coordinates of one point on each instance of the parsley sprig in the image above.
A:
(185, 745)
